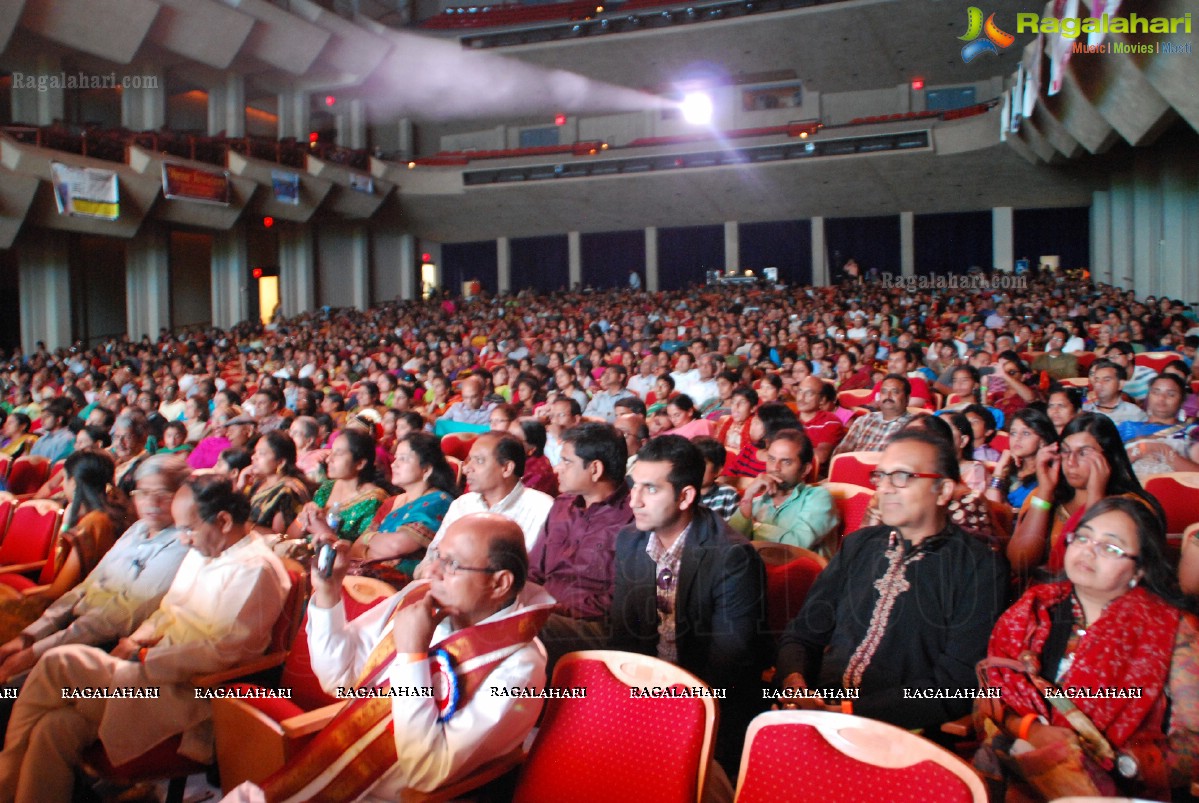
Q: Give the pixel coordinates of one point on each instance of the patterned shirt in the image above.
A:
(721, 500)
(668, 564)
(872, 433)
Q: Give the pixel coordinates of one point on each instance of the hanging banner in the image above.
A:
(287, 187)
(362, 183)
(1060, 46)
(184, 183)
(85, 191)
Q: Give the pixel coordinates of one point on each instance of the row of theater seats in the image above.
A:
(607, 745)
(111, 145)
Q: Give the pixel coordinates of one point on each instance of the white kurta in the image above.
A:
(429, 754)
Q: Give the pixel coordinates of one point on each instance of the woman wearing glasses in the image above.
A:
(1086, 465)
(1110, 638)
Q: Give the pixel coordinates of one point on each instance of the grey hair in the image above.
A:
(136, 423)
(171, 467)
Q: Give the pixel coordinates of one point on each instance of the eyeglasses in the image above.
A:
(151, 493)
(452, 566)
(1075, 454)
(1102, 548)
(900, 479)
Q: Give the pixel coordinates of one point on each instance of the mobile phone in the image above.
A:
(324, 560)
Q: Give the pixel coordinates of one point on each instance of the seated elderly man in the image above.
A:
(219, 611)
(124, 588)
(475, 604)
(902, 613)
(473, 409)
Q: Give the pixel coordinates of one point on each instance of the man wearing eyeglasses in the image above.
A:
(450, 715)
(688, 589)
(905, 609)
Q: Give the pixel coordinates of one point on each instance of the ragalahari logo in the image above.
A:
(994, 41)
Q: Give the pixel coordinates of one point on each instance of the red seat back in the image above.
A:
(608, 747)
(457, 444)
(1176, 498)
(770, 774)
(27, 474)
(297, 669)
(853, 468)
(787, 587)
(30, 533)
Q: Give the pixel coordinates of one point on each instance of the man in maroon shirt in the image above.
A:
(574, 558)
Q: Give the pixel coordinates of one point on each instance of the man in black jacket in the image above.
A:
(901, 615)
(690, 590)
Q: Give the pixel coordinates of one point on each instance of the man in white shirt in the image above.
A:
(643, 381)
(125, 587)
(219, 612)
(474, 604)
(684, 375)
(704, 388)
(493, 468)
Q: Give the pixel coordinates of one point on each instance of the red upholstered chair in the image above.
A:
(1085, 360)
(852, 501)
(8, 503)
(256, 736)
(608, 747)
(853, 467)
(163, 762)
(27, 474)
(1001, 442)
(29, 540)
(790, 572)
(1157, 360)
(855, 398)
(457, 444)
(1083, 382)
(5, 465)
(823, 757)
(1176, 492)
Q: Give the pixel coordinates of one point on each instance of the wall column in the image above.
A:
(1147, 226)
(1180, 245)
(1121, 229)
(1003, 244)
(1101, 237)
(819, 254)
(574, 259)
(31, 106)
(409, 267)
(907, 243)
(732, 248)
(148, 282)
(297, 269)
(359, 266)
(229, 277)
(45, 290)
(503, 265)
(145, 108)
(651, 259)
(294, 115)
(351, 123)
(227, 107)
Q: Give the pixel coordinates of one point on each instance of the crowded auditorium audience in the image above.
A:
(632, 456)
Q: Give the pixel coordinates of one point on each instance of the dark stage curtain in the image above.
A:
(1043, 232)
(686, 254)
(542, 263)
(784, 244)
(872, 241)
(608, 256)
(462, 262)
(952, 242)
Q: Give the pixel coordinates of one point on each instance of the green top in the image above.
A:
(356, 514)
(803, 519)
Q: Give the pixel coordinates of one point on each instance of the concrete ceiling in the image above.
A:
(852, 186)
(836, 47)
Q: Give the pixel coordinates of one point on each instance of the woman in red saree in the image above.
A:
(1110, 641)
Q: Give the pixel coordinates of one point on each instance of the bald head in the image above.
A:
(472, 392)
(492, 566)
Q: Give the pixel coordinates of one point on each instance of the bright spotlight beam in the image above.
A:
(696, 108)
